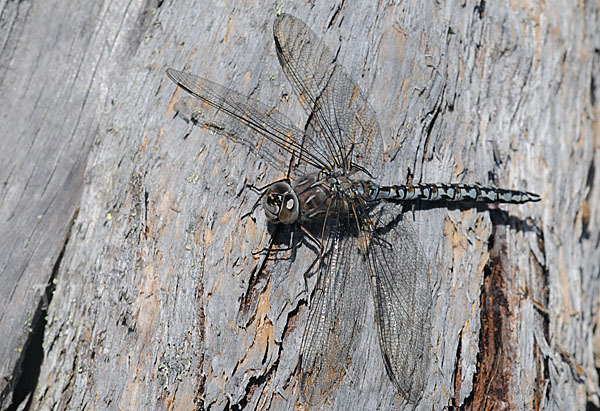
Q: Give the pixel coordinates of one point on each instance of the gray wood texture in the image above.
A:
(158, 300)
(60, 65)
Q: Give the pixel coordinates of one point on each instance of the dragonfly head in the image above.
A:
(281, 203)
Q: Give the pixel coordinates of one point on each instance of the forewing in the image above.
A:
(342, 122)
(267, 133)
(400, 281)
(337, 312)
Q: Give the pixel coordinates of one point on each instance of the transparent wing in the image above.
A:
(272, 134)
(337, 311)
(400, 281)
(341, 120)
(384, 249)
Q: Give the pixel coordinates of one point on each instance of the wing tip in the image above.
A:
(281, 21)
(174, 75)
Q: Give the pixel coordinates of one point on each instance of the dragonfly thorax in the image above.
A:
(281, 204)
(320, 192)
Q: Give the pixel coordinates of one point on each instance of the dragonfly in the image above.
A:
(365, 249)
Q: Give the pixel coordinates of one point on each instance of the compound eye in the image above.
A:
(290, 209)
(280, 188)
(272, 205)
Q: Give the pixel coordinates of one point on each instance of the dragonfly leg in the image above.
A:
(264, 188)
(251, 212)
(275, 249)
(270, 248)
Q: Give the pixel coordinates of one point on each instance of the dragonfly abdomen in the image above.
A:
(455, 192)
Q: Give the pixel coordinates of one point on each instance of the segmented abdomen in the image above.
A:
(455, 192)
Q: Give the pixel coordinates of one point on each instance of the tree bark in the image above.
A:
(159, 301)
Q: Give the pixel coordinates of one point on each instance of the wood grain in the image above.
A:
(159, 301)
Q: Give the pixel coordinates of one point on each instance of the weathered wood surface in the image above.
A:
(159, 302)
(60, 64)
